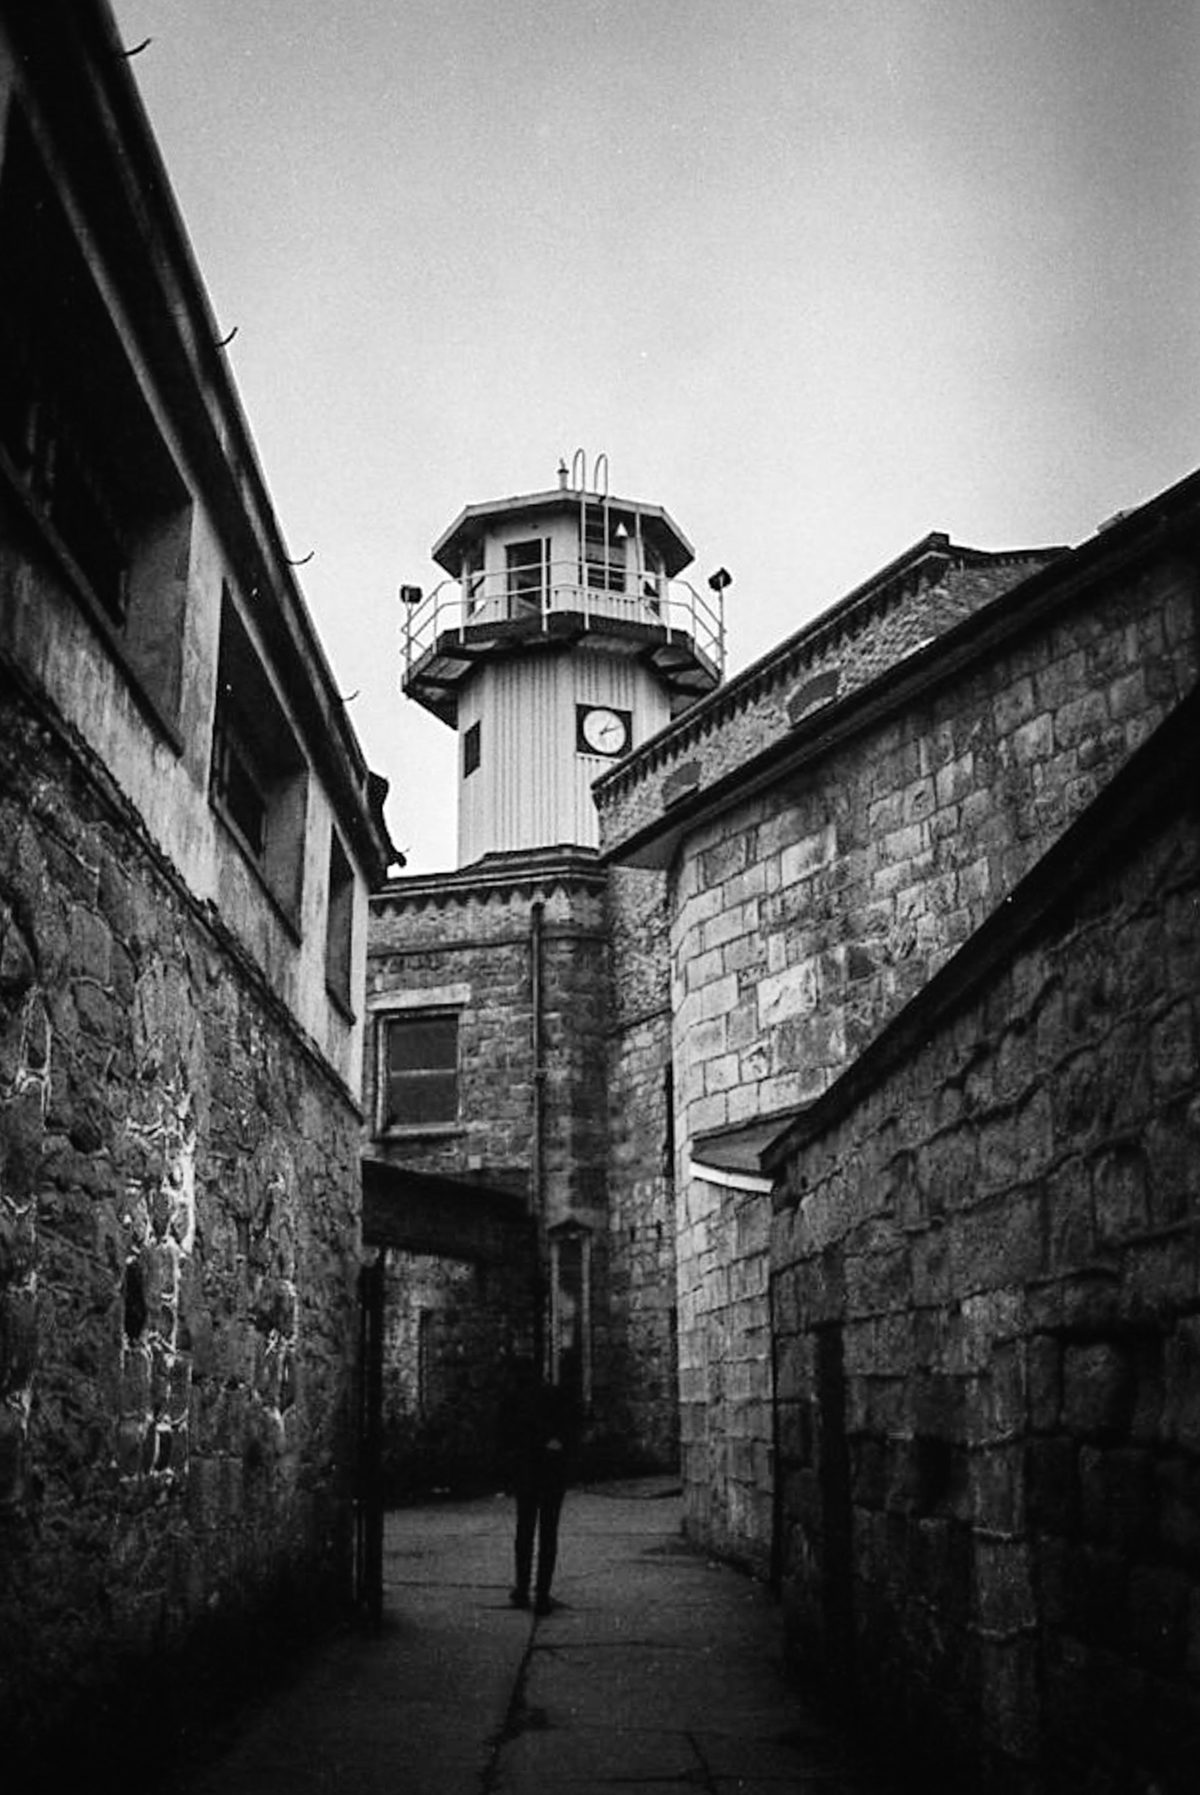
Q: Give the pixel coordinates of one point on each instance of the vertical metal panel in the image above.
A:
(532, 788)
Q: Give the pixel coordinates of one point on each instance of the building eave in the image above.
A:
(474, 519)
(78, 72)
(519, 870)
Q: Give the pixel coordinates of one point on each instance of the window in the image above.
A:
(472, 576)
(258, 783)
(604, 552)
(470, 750)
(339, 924)
(526, 565)
(419, 1072)
(78, 441)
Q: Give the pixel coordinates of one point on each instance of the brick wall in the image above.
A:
(806, 916)
(179, 1199)
(986, 1296)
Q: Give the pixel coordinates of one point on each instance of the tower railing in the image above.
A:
(600, 593)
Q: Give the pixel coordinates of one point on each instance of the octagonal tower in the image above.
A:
(562, 638)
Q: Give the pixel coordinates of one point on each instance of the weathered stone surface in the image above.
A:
(175, 1392)
(1055, 1586)
(806, 916)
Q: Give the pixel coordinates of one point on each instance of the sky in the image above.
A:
(818, 276)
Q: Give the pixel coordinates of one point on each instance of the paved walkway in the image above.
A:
(658, 1670)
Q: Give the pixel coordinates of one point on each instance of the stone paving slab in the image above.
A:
(658, 1670)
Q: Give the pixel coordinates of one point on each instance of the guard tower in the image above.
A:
(562, 638)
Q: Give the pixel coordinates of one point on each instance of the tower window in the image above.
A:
(526, 564)
(470, 750)
(419, 1070)
(603, 554)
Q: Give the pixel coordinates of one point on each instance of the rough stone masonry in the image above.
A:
(178, 1251)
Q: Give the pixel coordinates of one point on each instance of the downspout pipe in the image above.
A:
(537, 1171)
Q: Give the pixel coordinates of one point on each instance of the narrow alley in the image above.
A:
(658, 1669)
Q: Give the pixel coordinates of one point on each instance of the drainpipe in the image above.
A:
(537, 1174)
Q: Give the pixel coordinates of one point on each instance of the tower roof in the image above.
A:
(658, 527)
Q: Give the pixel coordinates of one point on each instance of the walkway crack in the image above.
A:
(516, 1719)
(709, 1782)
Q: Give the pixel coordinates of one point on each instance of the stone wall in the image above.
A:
(641, 1173)
(920, 596)
(725, 1379)
(179, 1197)
(806, 916)
(988, 1312)
(452, 1330)
(465, 940)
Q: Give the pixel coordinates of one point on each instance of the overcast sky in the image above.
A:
(819, 276)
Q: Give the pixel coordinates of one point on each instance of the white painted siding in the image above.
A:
(532, 787)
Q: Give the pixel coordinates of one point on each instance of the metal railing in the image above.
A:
(465, 608)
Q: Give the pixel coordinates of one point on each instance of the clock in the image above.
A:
(601, 730)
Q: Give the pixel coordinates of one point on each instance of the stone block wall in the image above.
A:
(987, 1296)
(807, 916)
(641, 1173)
(466, 940)
(466, 943)
(452, 1330)
(922, 595)
(725, 1380)
(179, 1205)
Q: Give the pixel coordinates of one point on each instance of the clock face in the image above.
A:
(603, 731)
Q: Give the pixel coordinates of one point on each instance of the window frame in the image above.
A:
(472, 749)
(389, 1120)
(339, 927)
(605, 555)
(526, 582)
(80, 448)
(251, 731)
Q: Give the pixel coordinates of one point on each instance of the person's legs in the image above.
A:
(549, 1508)
(527, 1519)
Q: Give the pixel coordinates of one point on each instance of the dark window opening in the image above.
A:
(78, 440)
(339, 924)
(471, 750)
(526, 564)
(420, 1070)
(604, 552)
(258, 781)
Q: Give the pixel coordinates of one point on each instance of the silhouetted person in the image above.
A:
(538, 1440)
